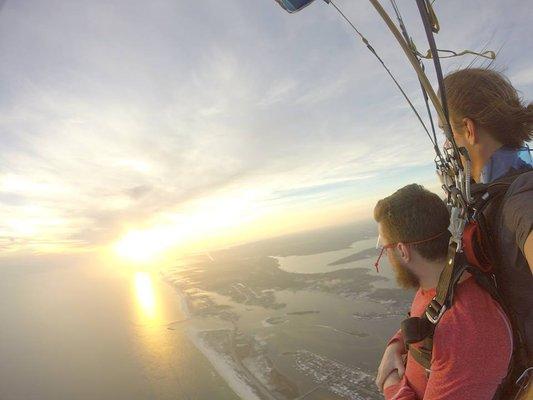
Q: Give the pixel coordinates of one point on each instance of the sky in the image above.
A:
(141, 128)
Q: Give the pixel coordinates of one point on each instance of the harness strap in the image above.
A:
(421, 329)
(445, 279)
(422, 355)
(487, 193)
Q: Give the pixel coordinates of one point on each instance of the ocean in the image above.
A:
(96, 333)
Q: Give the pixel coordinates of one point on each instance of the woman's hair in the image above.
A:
(490, 100)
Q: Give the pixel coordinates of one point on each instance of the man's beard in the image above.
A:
(405, 278)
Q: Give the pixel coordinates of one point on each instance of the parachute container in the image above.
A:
(293, 6)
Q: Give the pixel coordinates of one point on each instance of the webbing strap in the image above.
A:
(486, 193)
(436, 308)
(446, 276)
(422, 355)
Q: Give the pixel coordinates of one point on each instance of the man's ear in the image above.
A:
(470, 129)
(404, 252)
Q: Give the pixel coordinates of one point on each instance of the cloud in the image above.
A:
(127, 115)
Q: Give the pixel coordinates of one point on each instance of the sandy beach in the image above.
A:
(225, 367)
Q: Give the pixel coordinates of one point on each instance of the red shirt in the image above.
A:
(472, 348)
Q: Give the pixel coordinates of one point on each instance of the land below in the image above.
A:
(265, 309)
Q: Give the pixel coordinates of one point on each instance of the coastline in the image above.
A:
(223, 367)
(221, 364)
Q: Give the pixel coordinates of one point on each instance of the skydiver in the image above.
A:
(489, 119)
(413, 228)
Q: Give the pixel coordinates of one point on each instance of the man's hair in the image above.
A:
(490, 100)
(413, 214)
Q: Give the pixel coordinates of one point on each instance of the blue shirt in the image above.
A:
(501, 162)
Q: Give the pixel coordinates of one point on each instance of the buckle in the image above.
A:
(434, 311)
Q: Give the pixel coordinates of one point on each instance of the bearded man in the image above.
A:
(473, 342)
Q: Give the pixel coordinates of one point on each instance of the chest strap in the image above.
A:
(421, 329)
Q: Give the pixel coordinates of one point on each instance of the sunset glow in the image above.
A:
(186, 141)
(205, 219)
(140, 246)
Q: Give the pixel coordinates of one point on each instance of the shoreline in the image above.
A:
(223, 367)
(220, 364)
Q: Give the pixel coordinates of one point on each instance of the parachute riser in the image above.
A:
(454, 175)
(431, 25)
(407, 48)
(450, 169)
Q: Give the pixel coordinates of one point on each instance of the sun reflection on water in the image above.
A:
(159, 348)
(145, 294)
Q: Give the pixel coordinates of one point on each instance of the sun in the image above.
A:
(138, 247)
(199, 224)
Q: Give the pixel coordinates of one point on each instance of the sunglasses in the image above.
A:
(293, 6)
